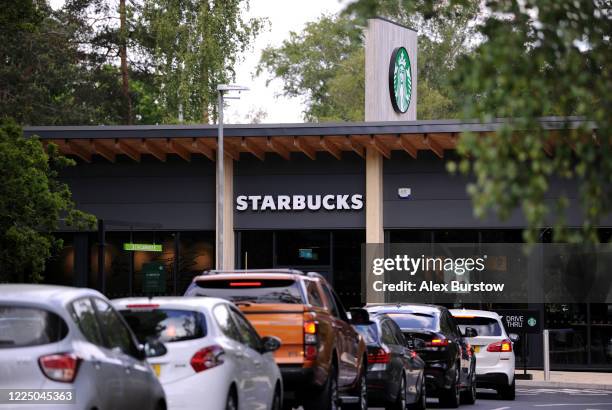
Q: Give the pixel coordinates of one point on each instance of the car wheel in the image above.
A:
(326, 398)
(361, 392)
(469, 396)
(508, 392)
(400, 401)
(232, 402)
(421, 403)
(450, 397)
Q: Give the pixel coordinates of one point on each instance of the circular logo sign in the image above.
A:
(400, 80)
(531, 322)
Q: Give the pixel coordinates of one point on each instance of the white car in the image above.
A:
(494, 350)
(215, 359)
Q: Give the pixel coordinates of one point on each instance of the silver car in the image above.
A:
(71, 341)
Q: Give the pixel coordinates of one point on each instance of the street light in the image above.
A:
(222, 89)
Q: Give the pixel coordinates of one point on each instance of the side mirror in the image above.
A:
(359, 316)
(270, 344)
(470, 332)
(153, 348)
(514, 337)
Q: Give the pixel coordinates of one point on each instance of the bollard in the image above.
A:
(546, 355)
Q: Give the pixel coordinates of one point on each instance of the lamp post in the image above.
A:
(222, 89)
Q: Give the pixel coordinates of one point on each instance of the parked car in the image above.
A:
(55, 337)
(322, 358)
(493, 348)
(214, 355)
(396, 373)
(434, 334)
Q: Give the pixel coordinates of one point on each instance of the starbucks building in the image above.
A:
(304, 196)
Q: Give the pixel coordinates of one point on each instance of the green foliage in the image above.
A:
(539, 58)
(32, 201)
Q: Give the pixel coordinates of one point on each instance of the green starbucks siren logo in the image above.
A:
(400, 80)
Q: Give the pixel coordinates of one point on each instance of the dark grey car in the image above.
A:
(395, 378)
(54, 337)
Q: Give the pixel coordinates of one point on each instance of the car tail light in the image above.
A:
(142, 306)
(413, 354)
(60, 367)
(207, 358)
(468, 347)
(437, 342)
(245, 284)
(310, 352)
(502, 346)
(310, 332)
(378, 355)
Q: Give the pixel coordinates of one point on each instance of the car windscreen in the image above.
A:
(165, 325)
(252, 290)
(369, 333)
(414, 320)
(25, 326)
(485, 326)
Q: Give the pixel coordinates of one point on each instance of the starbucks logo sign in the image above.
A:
(400, 80)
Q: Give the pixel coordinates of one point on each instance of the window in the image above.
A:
(225, 322)
(414, 320)
(117, 334)
(330, 300)
(485, 326)
(369, 333)
(23, 326)
(314, 297)
(251, 290)
(248, 335)
(340, 307)
(387, 336)
(84, 316)
(397, 333)
(165, 325)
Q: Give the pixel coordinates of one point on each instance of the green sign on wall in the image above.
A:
(400, 80)
(145, 247)
(154, 278)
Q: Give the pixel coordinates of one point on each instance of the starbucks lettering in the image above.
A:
(329, 202)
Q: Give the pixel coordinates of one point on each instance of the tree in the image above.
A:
(194, 46)
(32, 201)
(540, 58)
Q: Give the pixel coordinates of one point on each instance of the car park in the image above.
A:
(214, 355)
(434, 334)
(322, 358)
(494, 350)
(72, 340)
(396, 373)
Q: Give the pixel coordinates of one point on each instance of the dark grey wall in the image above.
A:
(176, 194)
(301, 175)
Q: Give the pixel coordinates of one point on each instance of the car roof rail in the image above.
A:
(247, 271)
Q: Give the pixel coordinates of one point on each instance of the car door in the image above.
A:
(350, 338)
(106, 369)
(136, 374)
(236, 352)
(409, 362)
(465, 352)
(263, 380)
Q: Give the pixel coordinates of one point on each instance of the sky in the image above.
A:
(284, 16)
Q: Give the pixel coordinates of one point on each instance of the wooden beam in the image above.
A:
(103, 150)
(126, 149)
(180, 150)
(358, 149)
(203, 149)
(433, 145)
(230, 151)
(253, 149)
(278, 148)
(306, 149)
(407, 146)
(380, 147)
(331, 147)
(154, 150)
(79, 151)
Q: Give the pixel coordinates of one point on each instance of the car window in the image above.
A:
(312, 291)
(225, 322)
(414, 320)
(248, 335)
(454, 326)
(84, 315)
(250, 290)
(24, 326)
(116, 333)
(340, 306)
(165, 325)
(485, 326)
(397, 333)
(332, 303)
(369, 333)
(445, 326)
(387, 336)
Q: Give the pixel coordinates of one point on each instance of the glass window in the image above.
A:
(196, 255)
(414, 320)
(251, 290)
(397, 332)
(346, 261)
(85, 317)
(485, 326)
(225, 322)
(302, 248)
(165, 325)
(22, 326)
(248, 335)
(115, 331)
(387, 336)
(314, 297)
(369, 333)
(256, 249)
(331, 302)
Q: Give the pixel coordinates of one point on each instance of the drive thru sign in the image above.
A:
(521, 320)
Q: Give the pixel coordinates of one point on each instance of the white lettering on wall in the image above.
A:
(329, 202)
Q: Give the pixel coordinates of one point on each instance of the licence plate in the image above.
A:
(156, 369)
(476, 349)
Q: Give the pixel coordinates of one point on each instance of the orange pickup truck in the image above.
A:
(322, 358)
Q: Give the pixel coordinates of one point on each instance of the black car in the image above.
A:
(395, 378)
(433, 333)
